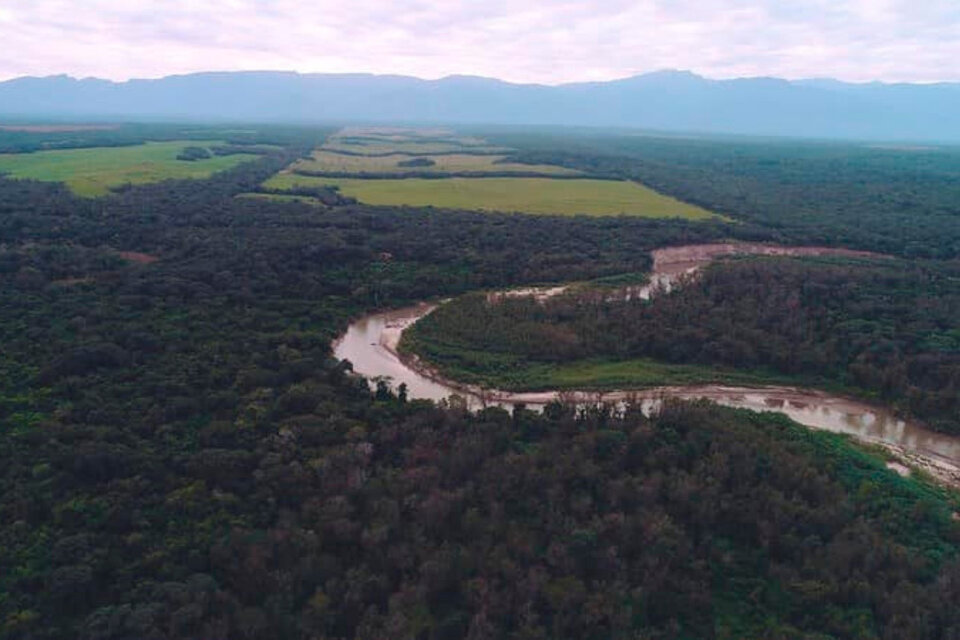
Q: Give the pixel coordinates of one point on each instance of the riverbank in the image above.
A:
(372, 346)
(487, 364)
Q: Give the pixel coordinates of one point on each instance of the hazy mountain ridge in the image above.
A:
(669, 100)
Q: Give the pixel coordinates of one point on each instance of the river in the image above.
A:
(370, 344)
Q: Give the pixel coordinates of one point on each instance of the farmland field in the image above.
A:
(528, 195)
(376, 141)
(412, 147)
(366, 135)
(325, 161)
(399, 133)
(93, 171)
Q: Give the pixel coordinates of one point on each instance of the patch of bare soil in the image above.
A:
(137, 257)
(944, 471)
(675, 259)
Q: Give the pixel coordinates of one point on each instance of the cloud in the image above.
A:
(548, 41)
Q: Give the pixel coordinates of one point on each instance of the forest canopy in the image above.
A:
(183, 458)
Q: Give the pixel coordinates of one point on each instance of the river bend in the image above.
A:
(370, 344)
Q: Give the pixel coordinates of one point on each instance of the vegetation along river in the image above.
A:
(370, 344)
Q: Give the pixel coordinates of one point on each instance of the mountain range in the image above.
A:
(665, 100)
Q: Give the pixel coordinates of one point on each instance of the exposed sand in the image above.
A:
(139, 258)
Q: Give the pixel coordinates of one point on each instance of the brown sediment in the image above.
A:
(538, 293)
(671, 264)
(940, 470)
(899, 468)
(137, 257)
(700, 254)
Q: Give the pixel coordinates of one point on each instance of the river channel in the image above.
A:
(370, 344)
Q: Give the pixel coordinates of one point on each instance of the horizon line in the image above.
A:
(665, 71)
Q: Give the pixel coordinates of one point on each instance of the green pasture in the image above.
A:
(94, 171)
(526, 195)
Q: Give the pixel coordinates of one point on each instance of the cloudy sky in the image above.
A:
(546, 41)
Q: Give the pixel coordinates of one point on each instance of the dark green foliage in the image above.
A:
(190, 154)
(327, 195)
(181, 458)
(417, 162)
(349, 519)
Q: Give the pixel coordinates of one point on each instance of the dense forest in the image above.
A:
(182, 458)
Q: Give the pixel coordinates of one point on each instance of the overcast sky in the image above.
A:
(545, 41)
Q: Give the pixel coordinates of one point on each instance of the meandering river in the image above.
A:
(370, 344)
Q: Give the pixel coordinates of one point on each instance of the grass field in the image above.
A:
(403, 134)
(92, 172)
(325, 161)
(527, 195)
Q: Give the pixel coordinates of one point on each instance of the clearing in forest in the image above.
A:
(94, 171)
(527, 195)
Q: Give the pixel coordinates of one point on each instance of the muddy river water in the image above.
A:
(370, 344)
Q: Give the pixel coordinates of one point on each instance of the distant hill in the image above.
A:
(666, 100)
